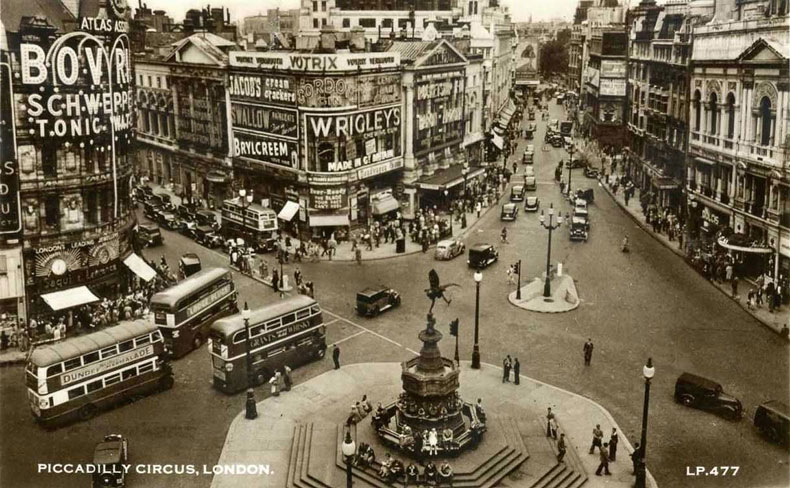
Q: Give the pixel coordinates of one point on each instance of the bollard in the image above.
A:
(559, 269)
(252, 409)
(285, 282)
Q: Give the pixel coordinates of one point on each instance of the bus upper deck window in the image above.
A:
(125, 346)
(55, 369)
(72, 363)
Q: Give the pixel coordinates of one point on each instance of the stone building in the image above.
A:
(737, 179)
(67, 218)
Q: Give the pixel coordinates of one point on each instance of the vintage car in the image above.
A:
(529, 134)
(578, 228)
(206, 236)
(582, 214)
(112, 456)
(149, 235)
(509, 211)
(698, 392)
(532, 204)
(556, 141)
(373, 301)
(189, 264)
(586, 194)
(481, 256)
(528, 158)
(529, 170)
(206, 217)
(576, 163)
(772, 418)
(579, 204)
(530, 183)
(185, 213)
(168, 220)
(188, 228)
(590, 172)
(449, 248)
(165, 197)
(151, 208)
(517, 193)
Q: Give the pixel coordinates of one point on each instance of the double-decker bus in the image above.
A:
(76, 378)
(256, 224)
(184, 312)
(289, 332)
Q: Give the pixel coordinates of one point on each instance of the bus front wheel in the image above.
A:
(166, 382)
(88, 411)
(261, 377)
(320, 353)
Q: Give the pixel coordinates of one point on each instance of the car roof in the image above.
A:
(578, 219)
(518, 186)
(108, 452)
(148, 226)
(532, 198)
(480, 247)
(205, 228)
(446, 242)
(369, 291)
(509, 205)
(777, 406)
(699, 380)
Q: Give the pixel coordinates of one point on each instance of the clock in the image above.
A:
(118, 7)
(58, 267)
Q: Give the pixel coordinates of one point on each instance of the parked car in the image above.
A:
(578, 228)
(772, 418)
(517, 193)
(698, 392)
(576, 163)
(165, 197)
(373, 301)
(530, 134)
(579, 204)
(149, 235)
(206, 236)
(168, 220)
(189, 264)
(449, 248)
(530, 183)
(509, 212)
(591, 172)
(185, 213)
(532, 204)
(112, 456)
(151, 208)
(188, 228)
(206, 217)
(481, 256)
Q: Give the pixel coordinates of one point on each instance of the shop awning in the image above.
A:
(217, 177)
(329, 220)
(507, 113)
(705, 161)
(759, 250)
(73, 297)
(384, 204)
(452, 176)
(497, 140)
(288, 211)
(139, 267)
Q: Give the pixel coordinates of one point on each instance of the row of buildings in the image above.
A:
(375, 112)
(696, 92)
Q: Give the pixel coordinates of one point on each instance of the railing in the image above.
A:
(87, 231)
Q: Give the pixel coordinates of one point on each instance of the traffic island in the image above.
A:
(564, 296)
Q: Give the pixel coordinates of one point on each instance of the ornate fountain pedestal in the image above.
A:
(429, 400)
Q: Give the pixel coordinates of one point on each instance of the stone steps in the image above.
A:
(569, 474)
(298, 469)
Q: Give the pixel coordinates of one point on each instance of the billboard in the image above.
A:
(253, 87)
(265, 149)
(612, 87)
(314, 62)
(264, 119)
(612, 69)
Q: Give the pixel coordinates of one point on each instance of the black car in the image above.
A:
(112, 456)
(509, 212)
(152, 208)
(168, 220)
(149, 235)
(189, 264)
(206, 217)
(590, 172)
(373, 301)
(481, 256)
(206, 236)
(698, 392)
(772, 418)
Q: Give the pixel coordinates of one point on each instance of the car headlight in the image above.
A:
(228, 367)
(43, 402)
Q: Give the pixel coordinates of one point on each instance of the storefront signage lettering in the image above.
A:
(612, 69)
(266, 149)
(328, 198)
(280, 333)
(377, 169)
(434, 90)
(432, 119)
(269, 120)
(314, 62)
(106, 365)
(334, 166)
(348, 125)
(259, 88)
(93, 24)
(612, 87)
(76, 87)
(710, 216)
(10, 214)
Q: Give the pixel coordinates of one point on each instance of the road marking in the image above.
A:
(349, 337)
(363, 328)
(331, 322)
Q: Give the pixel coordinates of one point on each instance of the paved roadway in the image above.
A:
(646, 303)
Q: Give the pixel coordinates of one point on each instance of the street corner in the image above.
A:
(563, 297)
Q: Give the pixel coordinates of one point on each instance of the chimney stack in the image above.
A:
(357, 43)
(328, 38)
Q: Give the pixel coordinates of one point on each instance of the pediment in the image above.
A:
(763, 51)
(444, 53)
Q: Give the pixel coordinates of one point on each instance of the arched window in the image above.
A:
(765, 121)
(697, 110)
(714, 114)
(730, 116)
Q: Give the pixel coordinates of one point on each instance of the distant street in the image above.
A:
(644, 304)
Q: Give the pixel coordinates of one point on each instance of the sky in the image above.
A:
(520, 9)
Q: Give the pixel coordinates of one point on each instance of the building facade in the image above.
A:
(67, 216)
(737, 179)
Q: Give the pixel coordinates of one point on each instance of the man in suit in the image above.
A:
(588, 350)
(604, 456)
(336, 356)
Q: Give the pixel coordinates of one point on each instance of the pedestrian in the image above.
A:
(588, 350)
(561, 448)
(728, 272)
(750, 299)
(636, 457)
(597, 438)
(604, 456)
(516, 371)
(553, 427)
(275, 382)
(336, 356)
(734, 285)
(613, 440)
(358, 255)
(510, 276)
(298, 276)
(549, 419)
(478, 207)
(287, 377)
(506, 364)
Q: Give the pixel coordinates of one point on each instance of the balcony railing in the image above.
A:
(87, 230)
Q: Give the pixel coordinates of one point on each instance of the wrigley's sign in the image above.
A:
(314, 62)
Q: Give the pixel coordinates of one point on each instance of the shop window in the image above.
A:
(52, 211)
(91, 206)
(49, 160)
(326, 155)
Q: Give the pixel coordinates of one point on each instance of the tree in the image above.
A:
(564, 36)
(553, 58)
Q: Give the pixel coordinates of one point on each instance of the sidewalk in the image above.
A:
(12, 356)
(325, 399)
(772, 320)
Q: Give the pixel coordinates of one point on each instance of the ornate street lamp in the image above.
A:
(648, 371)
(349, 448)
(550, 226)
(476, 349)
(246, 200)
(251, 408)
(571, 150)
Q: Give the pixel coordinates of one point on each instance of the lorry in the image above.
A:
(566, 128)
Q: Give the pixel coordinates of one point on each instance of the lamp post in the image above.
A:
(251, 408)
(571, 150)
(246, 200)
(551, 226)
(280, 259)
(476, 349)
(465, 173)
(349, 448)
(648, 371)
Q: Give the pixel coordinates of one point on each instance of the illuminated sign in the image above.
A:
(314, 62)
(10, 214)
(265, 149)
(349, 125)
(106, 365)
(260, 88)
(268, 120)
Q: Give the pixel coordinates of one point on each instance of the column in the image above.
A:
(409, 163)
(746, 113)
(718, 183)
